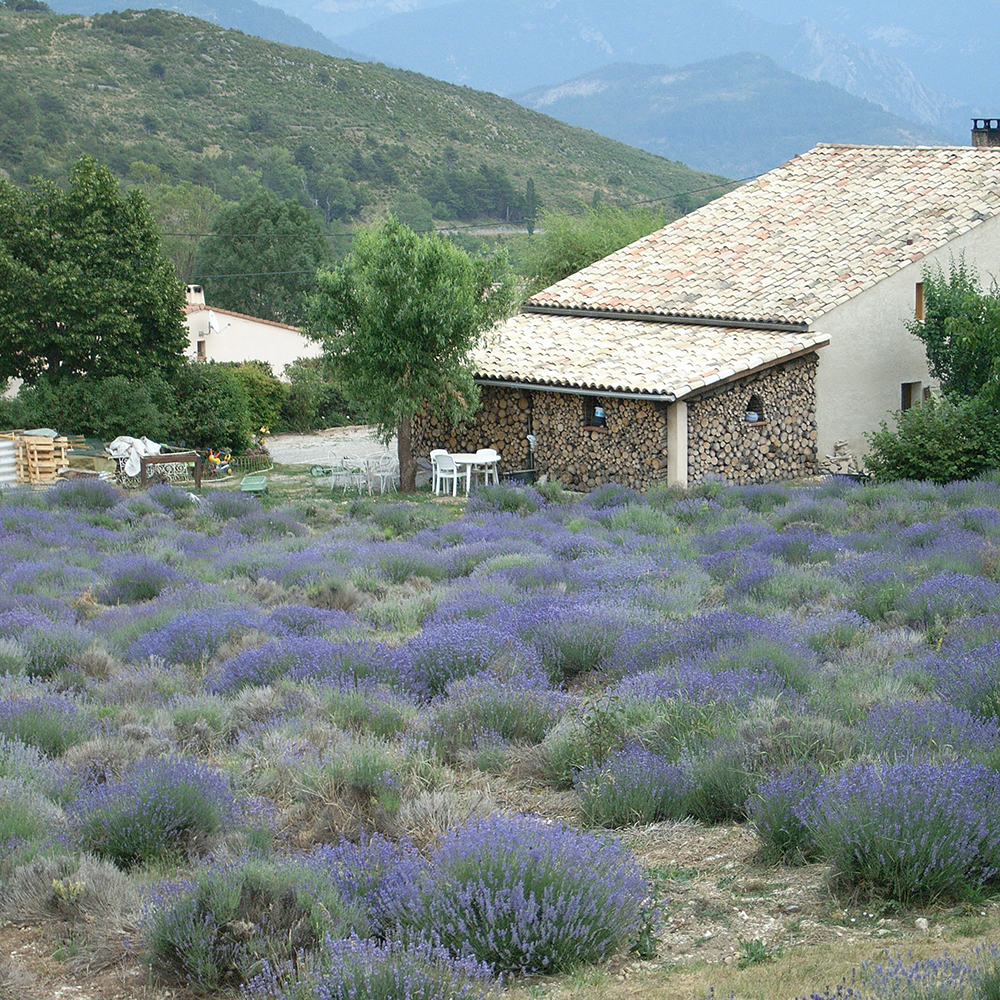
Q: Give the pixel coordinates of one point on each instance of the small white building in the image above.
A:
(223, 335)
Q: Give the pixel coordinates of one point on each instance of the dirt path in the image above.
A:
(321, 447)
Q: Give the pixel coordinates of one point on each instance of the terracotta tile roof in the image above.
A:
(662, 359)
(191, 308)
(798, 240)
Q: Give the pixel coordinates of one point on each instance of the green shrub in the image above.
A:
(311, 402)
(265, 393)
(940, 440)
(212, 407)
(220, 928)
(104, 408)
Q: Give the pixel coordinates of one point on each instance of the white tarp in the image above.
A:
(133, 450)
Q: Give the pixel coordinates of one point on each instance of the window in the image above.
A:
(918, 305)
(201, 351)
(755, 410)
(594, 414)
(910, 394)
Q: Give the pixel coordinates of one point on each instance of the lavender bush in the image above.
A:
(84, 494)
(160, 809)
(227, 923)
(359, 969)
(776, 810)
(930, 728)
(516, 711)
(910, 831)
(49, 722)
(193, 637)
(130, 579)
(524, 895)
(635, 785)
(445, 653)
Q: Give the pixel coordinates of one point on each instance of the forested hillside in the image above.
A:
(172, 102)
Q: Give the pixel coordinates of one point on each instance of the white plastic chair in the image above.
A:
(340, 475)
(385, 470)
(435, 454)
(357, 474)
(487, 465)
(447, 469)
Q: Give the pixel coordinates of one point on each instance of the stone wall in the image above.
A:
(630, 449)
(782, 445)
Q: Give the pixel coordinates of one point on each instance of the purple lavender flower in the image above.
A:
(160, 808)
(904, 728)
(84, 494)
(524, 895)
(946, 596)
(194, 636)
(380, 876)
(967, 677)
(50, 722)
(445, 653)
(214, 928)
(357, 969)
(635, 785)
(301, 620)
(133, 578)
(776, 810)
(912, 830)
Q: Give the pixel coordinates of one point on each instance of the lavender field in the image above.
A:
(313, 750)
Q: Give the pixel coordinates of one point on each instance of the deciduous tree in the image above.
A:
(960, 329)
(264, 259)
(571, 242)
(398, 318)
(85, 288)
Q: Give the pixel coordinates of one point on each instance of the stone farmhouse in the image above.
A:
(744, 339)
(223, 335)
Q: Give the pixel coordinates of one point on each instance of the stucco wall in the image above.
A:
(780, 446)
(871, 353)
(243, 338)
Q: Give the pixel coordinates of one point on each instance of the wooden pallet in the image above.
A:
(39, 459)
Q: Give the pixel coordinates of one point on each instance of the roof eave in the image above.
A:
(655, 396)
(679, 319)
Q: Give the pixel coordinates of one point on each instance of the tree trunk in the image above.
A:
(407, 463)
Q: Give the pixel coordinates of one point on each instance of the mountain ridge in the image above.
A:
(738, 115)
(533, 43)
(191, 102)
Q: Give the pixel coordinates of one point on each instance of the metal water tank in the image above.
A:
(8, 463)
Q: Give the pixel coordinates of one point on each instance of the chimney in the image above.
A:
(986, 131)
(196, 294)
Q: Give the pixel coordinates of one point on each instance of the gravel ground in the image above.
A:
(321, 447)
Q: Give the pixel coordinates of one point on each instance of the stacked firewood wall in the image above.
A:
(630, 449)
(502, 423)
(781, 444)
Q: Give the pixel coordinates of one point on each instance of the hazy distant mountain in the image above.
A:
(737, 116)
(337, 17)
(243, 15)
(512, 46)
(951, 47)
